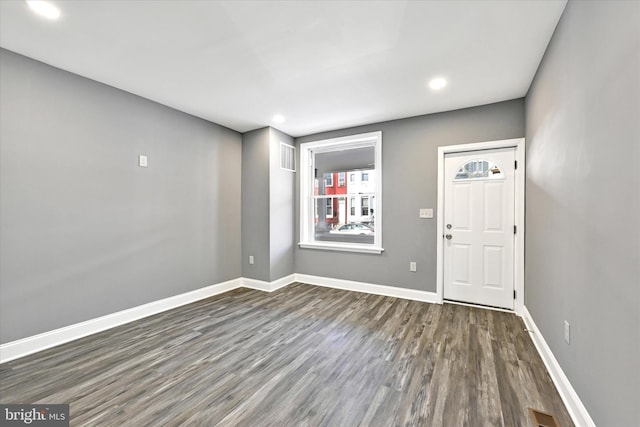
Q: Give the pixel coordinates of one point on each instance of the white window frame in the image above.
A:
(307, 175)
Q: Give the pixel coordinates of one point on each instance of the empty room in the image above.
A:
(320, 213)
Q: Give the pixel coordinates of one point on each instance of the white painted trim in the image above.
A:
(485, 145)
(519, 144)
(350, 285)
(344, 248)
(518, 246)
(307, 172)
(29, 345)
(571, 400)
(26, 346)
(258, 285)
(262, 285)
(282, 282)
(23, 347)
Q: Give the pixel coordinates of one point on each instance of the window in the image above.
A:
(328, 179)
(365, 206)
(478, 168)
(327, 221)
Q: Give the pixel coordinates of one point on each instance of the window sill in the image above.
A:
(365, 249)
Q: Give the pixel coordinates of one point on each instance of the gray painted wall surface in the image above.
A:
(409, 158)
(84, 231)
(583, 204)
(281, 210)
(255, 204)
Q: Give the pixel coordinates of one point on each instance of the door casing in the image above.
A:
(519, 144)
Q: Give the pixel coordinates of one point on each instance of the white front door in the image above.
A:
(479, 218)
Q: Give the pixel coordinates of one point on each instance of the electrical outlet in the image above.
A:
(142, 161)
(251, 259)
(412, 266)
(567, 332)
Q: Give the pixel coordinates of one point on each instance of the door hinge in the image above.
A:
(515, 229)
(514, 294)
(515, 164)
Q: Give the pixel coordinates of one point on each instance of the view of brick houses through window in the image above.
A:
(347, 207)
(340, 181)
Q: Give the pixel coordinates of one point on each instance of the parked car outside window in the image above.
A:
(354, 228)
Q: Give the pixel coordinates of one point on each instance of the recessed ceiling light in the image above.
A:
(437, 83)
(44, 9)
(278, 118)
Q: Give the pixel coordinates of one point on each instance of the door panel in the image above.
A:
(493, 220)
(493, 259)
(462, 263)
(479, 213)
(462, 196)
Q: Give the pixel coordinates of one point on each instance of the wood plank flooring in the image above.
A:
(300, 356)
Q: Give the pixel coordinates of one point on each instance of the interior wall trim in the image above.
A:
(29, 345)
(261, 285)
(350, 285)
(571, 400)
(33, 344)
(518, 254)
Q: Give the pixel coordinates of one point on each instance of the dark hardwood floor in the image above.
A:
(300, 356)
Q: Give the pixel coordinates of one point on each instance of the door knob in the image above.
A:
(448, 236)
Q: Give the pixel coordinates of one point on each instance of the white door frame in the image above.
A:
(519, 145)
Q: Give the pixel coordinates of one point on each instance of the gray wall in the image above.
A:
(255, 204)
(281, 210)
(267, 207)
(583, 204)
(409, 158)
(84, 231)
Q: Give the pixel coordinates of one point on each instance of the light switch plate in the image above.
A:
(142, 161)
(426, 213)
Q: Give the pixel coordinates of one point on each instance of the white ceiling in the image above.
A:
(322, 64)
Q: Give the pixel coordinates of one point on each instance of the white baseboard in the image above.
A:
(571, 400)
(268, 286)
(23, 347)
(350, 285)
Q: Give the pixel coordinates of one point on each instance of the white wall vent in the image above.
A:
(287, 157)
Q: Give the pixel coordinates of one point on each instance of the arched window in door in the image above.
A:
(479, 169)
